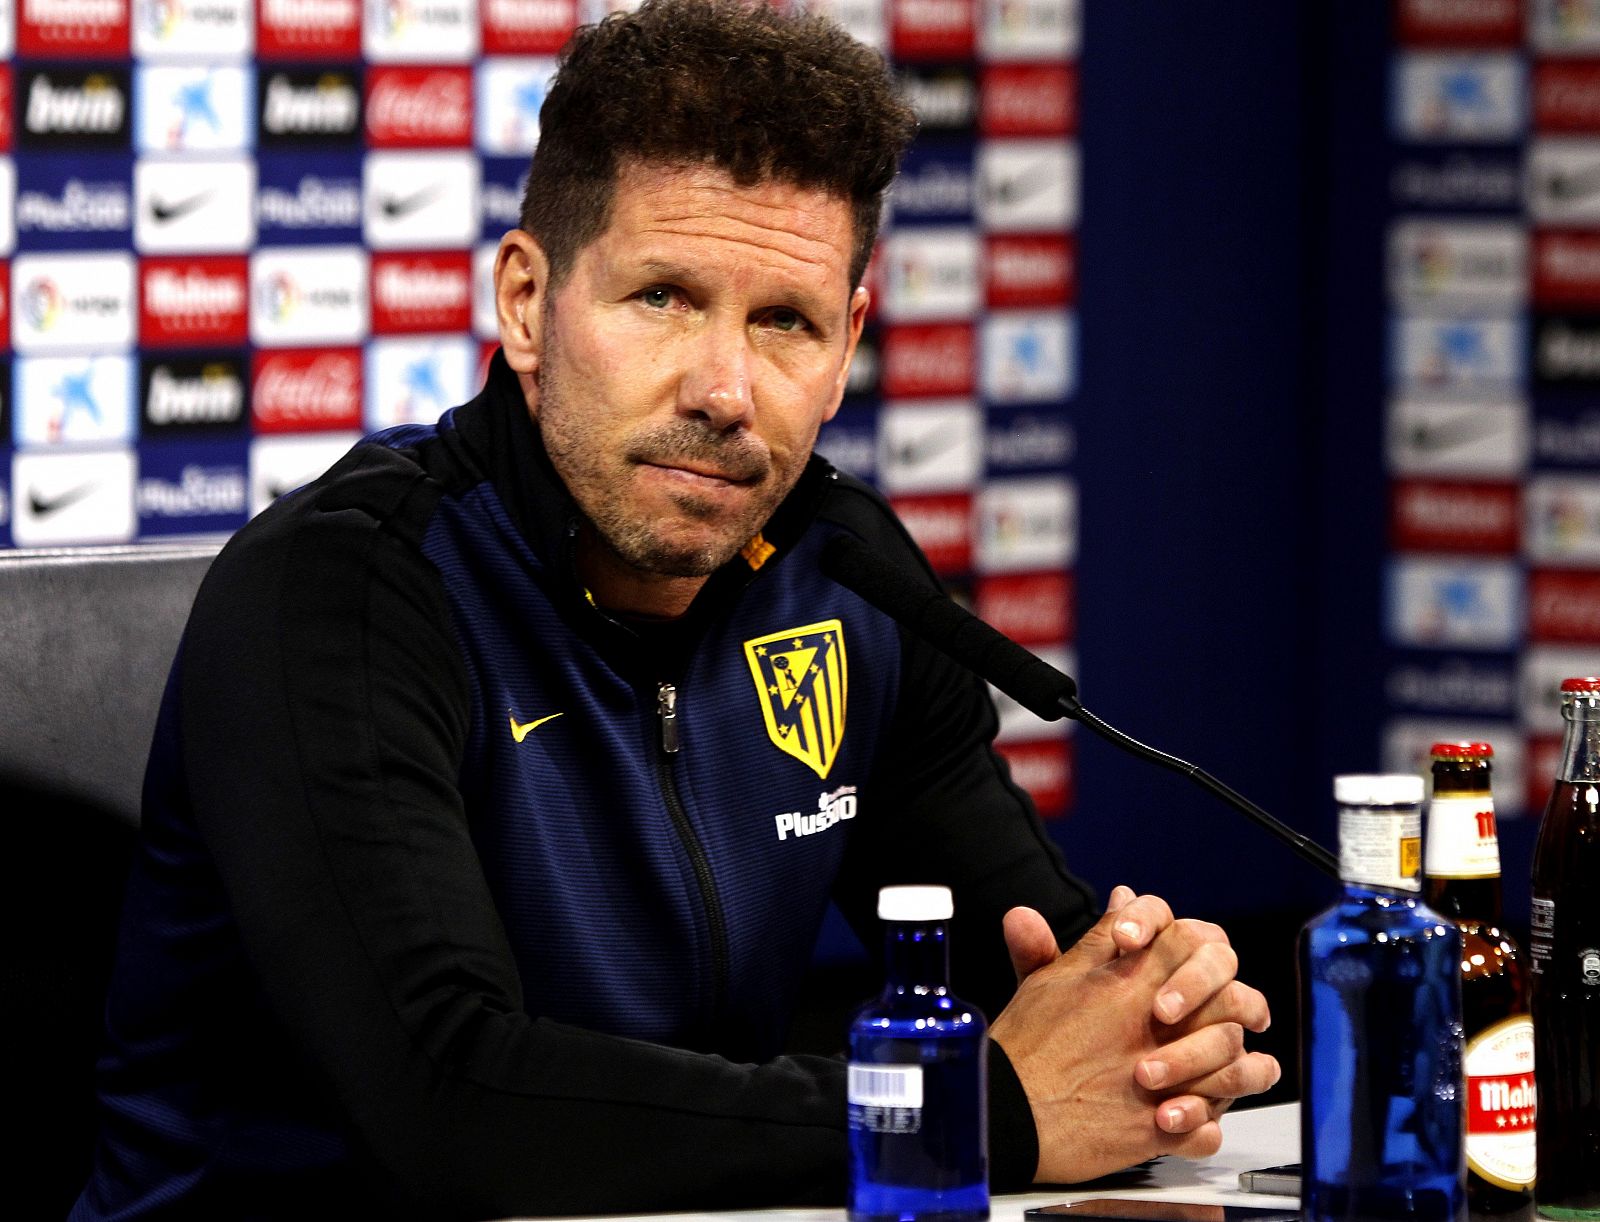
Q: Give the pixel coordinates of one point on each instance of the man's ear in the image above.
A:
(860, 299)
(521, 282)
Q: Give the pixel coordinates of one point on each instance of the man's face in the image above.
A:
(689, 358)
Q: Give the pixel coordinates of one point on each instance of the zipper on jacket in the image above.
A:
(667, 711)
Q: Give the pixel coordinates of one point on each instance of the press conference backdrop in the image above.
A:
(1328, 406)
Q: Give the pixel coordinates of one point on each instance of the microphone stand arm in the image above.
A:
(1307, 849)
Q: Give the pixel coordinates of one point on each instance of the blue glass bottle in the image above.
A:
(918, 1086)
(1382, 1112)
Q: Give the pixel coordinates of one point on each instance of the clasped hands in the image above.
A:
(1131, 1043)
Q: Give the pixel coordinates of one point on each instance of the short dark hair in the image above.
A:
(752, 91)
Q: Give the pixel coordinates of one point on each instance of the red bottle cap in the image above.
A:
(1461, 751)
(1590, 684)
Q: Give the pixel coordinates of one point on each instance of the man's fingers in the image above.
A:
(1236, 1002)
(1030, 942)
(1210, 967)
(1191, 1057)
(1251, 1074)
(1186, 1137)
(1139, 922)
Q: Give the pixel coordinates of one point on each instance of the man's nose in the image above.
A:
(716, 384)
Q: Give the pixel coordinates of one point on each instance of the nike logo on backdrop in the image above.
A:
(43, 506)
(164, 211)
(520, 729)
(397, 206)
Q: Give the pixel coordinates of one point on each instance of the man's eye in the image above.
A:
(657, 298)
(787, 320)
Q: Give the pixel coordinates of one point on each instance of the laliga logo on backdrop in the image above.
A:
(42, 303)
(279, 297)
(395, 15)
(163, 16)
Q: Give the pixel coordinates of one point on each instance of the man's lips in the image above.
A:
(700, 471)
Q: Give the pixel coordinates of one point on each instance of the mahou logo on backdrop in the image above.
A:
(931, 29)
(526, 27)
(938, 359)
(308, 29)
(1029, 100)
(97, 28)
(419, 107)
(1030, 270)
(421, 292)
(306, 390)
(5, 108)
(193, 301)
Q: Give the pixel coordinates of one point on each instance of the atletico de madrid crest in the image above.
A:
(800, 682)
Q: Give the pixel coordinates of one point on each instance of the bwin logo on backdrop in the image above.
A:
(67, 109)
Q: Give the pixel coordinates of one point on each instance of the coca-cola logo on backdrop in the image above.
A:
(419, 107)
(304, 390)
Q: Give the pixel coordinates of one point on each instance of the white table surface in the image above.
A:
(1259, 1137)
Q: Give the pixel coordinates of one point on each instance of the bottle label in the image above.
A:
(1541, 935)
(1381, 848)
(884, 1098)
(1501, 1103)
(1461, 838)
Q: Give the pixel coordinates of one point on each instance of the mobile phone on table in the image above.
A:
(1131, 1209)
(1284, 1180)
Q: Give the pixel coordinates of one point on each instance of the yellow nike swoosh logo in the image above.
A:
(519, 730)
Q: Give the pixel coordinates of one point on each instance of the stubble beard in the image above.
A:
(598, 482)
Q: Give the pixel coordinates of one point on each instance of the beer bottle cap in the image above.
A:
(1590, 684)
(1461, 751)
(1393, 790)
(915, 904)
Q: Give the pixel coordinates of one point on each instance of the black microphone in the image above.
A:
(934, 617)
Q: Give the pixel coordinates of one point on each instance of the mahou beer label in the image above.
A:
(1501, 1103)
(1461, 838)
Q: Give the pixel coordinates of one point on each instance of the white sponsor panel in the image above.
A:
(72, 303)
(1564, 27)
(1027, 185)
(193, 29)
(1459, 265)
(510, 91)
(1433, 351)
(1458, 435)
(931, 274)
(314, 295)
(1029, 29)
(1407, 742)
(82, 400)
(933, 445)
(419, 31)
(194, 207)
(279, 465)
(1028, 356)
(485, 324)
(863, 20)
(84, 497)
(1543, 669)
(1017, 724)
(1459, 97)
(1442, 602)
(1561, 520)
(1563, 182)
(8, 201)
(178, 108)
(1027, 524)
(415, 381)
(420, 201)
(8, 18)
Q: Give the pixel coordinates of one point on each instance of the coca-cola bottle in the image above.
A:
(1564, 959)
(1462, 862)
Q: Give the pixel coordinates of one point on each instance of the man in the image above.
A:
(505, 772)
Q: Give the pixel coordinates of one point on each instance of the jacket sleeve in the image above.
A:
(324, 711)
(947, 811)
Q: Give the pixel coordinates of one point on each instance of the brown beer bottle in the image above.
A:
(1564, 960)
(1462, 863)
